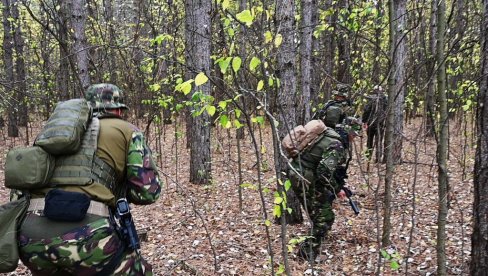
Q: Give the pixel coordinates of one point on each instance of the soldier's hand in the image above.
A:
(341, 195)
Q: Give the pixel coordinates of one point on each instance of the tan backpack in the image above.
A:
(301, 137)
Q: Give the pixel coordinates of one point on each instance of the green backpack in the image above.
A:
(32, 167)
(63, 132)
(11, 217)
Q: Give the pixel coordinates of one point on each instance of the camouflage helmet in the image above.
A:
(342, 90)
(332, 116)
(105, 96)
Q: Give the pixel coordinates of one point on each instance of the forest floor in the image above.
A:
(201, 230)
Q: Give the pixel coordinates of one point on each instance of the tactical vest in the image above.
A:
(84, 167)
(311, 157)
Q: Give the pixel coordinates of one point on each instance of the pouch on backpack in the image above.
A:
(28, 168)
(302, 136)
(11, 217)
(63, 205)
(64, 130)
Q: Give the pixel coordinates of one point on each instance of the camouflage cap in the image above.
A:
(342, 90)
(105, 96)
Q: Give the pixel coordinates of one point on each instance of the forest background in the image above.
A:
(216, 85)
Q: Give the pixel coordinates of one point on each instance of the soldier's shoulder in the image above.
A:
(331, 133)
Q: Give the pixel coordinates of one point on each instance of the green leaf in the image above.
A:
(211, 110)
(268, 36)
(238, 113)
(236, 64)
(154, 87)
(278, 40)
(254, 63)
(223, 105)
(394, 265)
(186, 87)
(267, 222)
(238, 124)
(278, 200)
(200, 79)
(260, 120)
(225, 4)
(260, 85)
(224, 64)
(245, 17)
(287, 184)
(224, 121)
(277, 211)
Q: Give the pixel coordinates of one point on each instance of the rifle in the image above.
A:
(127, 226)
(349, 193)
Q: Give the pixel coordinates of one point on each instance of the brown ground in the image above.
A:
(199, 230)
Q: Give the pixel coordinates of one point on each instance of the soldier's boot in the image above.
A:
(308, 250)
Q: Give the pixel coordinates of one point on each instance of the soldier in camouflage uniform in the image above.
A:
(317, 177)
(337, 109)
(93, 246)
(374, 117)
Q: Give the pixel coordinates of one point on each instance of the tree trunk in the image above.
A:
(63, 74)
(400, 59)
(287, 100)
(109, 19)
(389, 132)
(8, 63)
(479, 238)
(199, 61)
(344, 49)
(20, 76)
(429, 97)
(377, 44)
(309, 9)
(442, 141)
(80, 49)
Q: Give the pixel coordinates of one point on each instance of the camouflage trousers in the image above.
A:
(317, 201)
(81, 251)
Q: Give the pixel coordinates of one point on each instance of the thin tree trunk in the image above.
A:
(344, 49)
(479, 238)
(377, 43)
(63, 74)
(400, 59)
(442, 141)
(429, 97)
(109, 19)
(20, 76)
(199, 61)
(8, 63)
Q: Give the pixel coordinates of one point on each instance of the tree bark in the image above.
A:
(109, 19)
(479, 238)
(78, 19)
(8, 63)
(62, 29)
(20, 76)
(400, 59)
(199, 61)
(344, 49)
(309, 9)
(442, 140)
(287, 99)
(430, 93)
